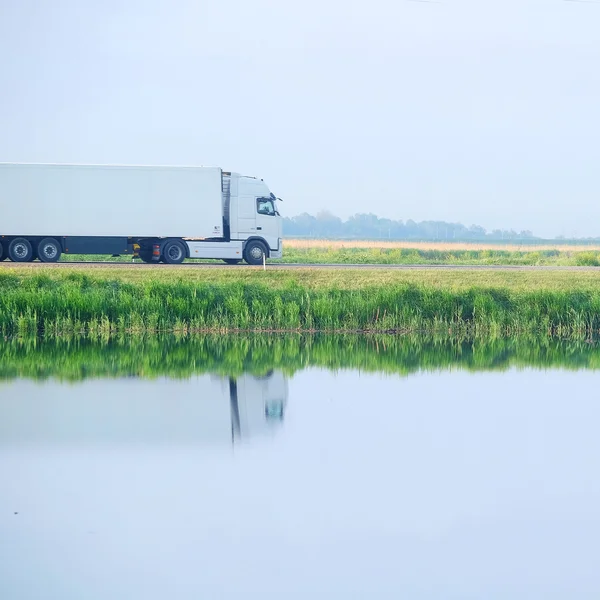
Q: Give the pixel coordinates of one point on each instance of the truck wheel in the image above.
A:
(20, 250)
(173, 253)
(3, 255)
(146, 256)
(254, 253)
(49, 250)
(232, 261)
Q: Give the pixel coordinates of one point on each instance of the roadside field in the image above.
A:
(302, 244)
(399, 253)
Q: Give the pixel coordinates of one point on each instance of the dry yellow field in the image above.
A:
(444, 246)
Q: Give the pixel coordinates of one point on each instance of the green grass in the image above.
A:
(405, 256)
(75, 358)
(100, 302)
(454, 279)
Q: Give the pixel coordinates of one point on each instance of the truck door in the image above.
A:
(268, 222)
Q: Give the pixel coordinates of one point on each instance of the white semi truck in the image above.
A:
(158, 213)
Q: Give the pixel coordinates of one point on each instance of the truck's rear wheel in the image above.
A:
(173, 253)
(20, 250)
(255, 252)
(49, 250)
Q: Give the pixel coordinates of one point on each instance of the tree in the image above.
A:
(369, 226)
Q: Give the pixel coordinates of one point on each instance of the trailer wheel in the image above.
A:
(20, 250)
(255, 252)
(49, 250)
(232, 261)
(173, 253)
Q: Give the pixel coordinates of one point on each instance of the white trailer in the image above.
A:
(158, 213)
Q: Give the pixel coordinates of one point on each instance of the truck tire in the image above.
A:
(254, 252)
(3, 252)
(173, 252)
(232, 261)
(146, 256)
(20, 250)
(49, 250)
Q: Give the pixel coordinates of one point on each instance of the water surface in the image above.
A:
(269, 478)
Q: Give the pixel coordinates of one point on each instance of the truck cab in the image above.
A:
(252, 224)
(254, 215)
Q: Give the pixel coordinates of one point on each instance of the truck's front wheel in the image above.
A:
(173, 253)
(255, 252)
(20, 250)
(49, 250)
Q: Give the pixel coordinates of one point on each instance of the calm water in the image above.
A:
(298, 482)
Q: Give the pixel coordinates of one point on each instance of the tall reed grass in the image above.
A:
(81, 303)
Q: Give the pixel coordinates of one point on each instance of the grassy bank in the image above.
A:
(101, 302)
(349, 279)
(76, 358)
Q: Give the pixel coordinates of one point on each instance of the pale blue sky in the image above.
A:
(479, 111)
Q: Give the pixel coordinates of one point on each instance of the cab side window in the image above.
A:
(264, 206)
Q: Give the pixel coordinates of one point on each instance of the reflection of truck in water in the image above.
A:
(256, 403)
(204, 409)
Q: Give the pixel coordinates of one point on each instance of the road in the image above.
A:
(289, 267)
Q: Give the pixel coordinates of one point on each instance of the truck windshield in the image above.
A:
(265, 206)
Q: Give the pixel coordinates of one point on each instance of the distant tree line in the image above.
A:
(369, 226)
